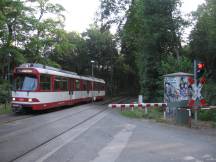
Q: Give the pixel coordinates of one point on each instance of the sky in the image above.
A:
(80, 13)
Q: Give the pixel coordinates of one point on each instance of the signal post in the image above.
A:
(199, 81)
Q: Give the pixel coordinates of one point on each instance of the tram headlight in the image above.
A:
(30, 100)
(13, 99)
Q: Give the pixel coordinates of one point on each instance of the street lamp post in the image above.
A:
(9, 60)
(92, 62)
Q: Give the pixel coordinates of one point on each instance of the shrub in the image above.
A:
(207, 115)
(5, 91)
(209, 90)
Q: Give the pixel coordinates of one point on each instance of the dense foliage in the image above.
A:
(202, 44)
(151, 34)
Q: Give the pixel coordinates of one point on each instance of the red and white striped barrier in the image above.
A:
(140, 105)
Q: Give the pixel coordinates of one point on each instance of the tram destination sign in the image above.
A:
(24, 71)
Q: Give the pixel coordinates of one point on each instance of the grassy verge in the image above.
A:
(207, 118)
(207, 115)
(137, 113)
(5, 109)
(154, 113)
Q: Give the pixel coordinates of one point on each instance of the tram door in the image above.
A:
(71, 90)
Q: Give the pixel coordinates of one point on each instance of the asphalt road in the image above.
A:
(93, 133)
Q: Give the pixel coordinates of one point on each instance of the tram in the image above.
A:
(40, 87)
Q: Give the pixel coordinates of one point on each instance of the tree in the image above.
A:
(112, 13)
(12, 20)
(172, 65)
(44, 29)
(151, 33)
(202, 44)
(71, 52)
(25, 34)
(101, 48)
(203, 37)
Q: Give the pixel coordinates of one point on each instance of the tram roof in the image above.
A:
(59, 72)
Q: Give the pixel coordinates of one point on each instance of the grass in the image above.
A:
(5, 108)
(154, 113)
(207, 115)
(137, 113)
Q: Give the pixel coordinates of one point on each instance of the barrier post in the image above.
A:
(122, 107)
(190, 118)
(164, 113)
(132, 107)
(146, 110)
(140, 99)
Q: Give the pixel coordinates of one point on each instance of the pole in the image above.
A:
(111, 76)
(92, 62)
(92, 70)
(189, 120)
(8, 75)
(195, 75)
(195, 80)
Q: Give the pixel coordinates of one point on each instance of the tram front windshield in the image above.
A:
(25, 83)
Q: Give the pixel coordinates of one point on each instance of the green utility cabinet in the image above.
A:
(182, 116)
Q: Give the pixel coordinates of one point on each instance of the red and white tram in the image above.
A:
(40, 87)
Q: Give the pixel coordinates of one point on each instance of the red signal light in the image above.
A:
(201, 66)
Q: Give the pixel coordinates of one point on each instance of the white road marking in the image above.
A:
(188, 158)
(112, 151)
(48, 149)
(206, 156)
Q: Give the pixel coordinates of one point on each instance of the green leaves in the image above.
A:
(202, 44)
(203, 37)
(5, 93)
(171, 65)
(150, 35)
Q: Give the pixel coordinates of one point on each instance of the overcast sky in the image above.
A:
(80, 13)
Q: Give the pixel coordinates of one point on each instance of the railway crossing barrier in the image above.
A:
(139, 105)
(145, 106)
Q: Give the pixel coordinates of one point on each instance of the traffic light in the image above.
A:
(200, 70)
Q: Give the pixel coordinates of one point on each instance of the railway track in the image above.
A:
(12, 117)
(87, 112)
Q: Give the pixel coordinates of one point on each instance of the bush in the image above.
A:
(5, 108)
(207, 115)
(209, 90)
(5, 91)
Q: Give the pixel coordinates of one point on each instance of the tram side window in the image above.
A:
(89, 84)
(64, 84)
(60, 84)
(57, 84)
(72, 85)
(77, 86)
(84, 85)
(96, 86)
(45, 82)
(100, 86)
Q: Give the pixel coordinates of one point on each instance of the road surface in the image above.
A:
(94, 133)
